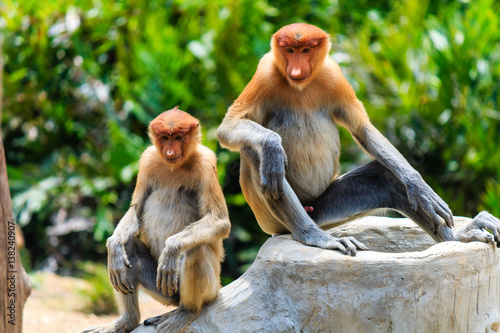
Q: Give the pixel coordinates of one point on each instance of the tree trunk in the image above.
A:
(406, 283)
(15, 286)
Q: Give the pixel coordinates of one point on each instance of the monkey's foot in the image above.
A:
(319, 238)
(175, 321)
(119, 326)
(476, 230)
(155, 320)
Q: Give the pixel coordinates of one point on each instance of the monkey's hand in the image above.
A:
(272, 167)
(421, 195)
(476, 229)
(167, 279)
(118, 265)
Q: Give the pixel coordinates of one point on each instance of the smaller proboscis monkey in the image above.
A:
(170, 240)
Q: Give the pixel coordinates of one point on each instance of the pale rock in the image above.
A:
(406, 283)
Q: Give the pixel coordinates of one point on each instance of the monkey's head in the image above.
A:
(175, 134)
(299, 50)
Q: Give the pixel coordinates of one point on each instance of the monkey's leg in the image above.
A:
(199, 284)
(357, 193)
(286, 214)
(147, 271)
(129, 319)
(128, 304)
(142, 271)
(373, 186)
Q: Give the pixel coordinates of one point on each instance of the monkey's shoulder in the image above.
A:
(266, 68)
(202, 165)
(150, 157)
(206, 155)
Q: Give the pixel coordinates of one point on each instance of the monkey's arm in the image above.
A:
(353, 116)
(125, 231)
(239, 133)
(212, 227)
(419, 193)
(118, 262)
(127, 228)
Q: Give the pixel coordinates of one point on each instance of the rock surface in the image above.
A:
(406, 283)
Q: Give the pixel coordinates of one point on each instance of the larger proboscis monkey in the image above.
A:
(284, 124)
(170, 240)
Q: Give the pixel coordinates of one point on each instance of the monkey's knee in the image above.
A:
(199, 278)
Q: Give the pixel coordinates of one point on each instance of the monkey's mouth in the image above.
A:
(172, 160)
(298, 80)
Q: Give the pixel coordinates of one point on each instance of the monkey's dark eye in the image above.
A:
(306, 50)
(289, 50)
(164, 138)
(178, 138)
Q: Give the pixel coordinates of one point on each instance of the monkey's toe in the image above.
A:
(154, 320)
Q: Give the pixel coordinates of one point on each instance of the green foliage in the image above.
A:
(431, 81)
(97, 295)
(83, 79)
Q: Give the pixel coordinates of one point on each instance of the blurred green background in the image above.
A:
(82, 79)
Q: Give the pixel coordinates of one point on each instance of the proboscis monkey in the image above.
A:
(170, 240)
(284, 124)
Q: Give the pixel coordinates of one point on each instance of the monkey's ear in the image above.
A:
(152, 131)
(195, 128)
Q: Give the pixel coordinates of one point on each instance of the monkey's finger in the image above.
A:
(438, 221)
(126, 284)
(158, 279)
(274, 189)
(336, 245)
(444, 214)
(121, 286)
(169, 285)
(351, 249)
(430, 218)
(358, 244)
(125, 257)
(276, 192)
(490, 223)
(480, 235)
(115, 284)
(112, 279)
(428, 209)
(126, 261)
(272, 185)
(175, 281)
(164, 283)
(450, 214)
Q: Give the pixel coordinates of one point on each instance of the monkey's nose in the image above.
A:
(170, 153)
(296, 73)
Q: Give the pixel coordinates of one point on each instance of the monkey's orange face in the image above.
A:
(172, 148)
(298, 64)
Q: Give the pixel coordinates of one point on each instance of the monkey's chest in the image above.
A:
(167, 212)
(312, 145)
